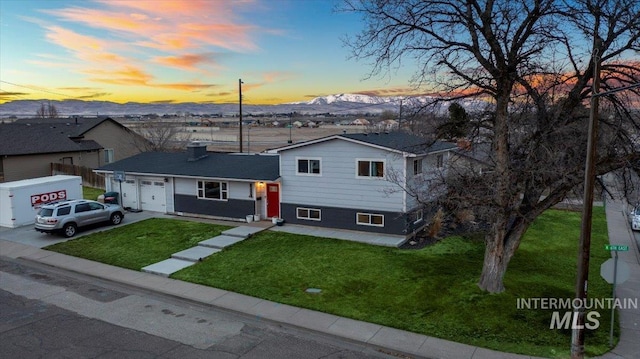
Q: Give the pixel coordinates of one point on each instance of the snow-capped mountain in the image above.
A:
(336, 104)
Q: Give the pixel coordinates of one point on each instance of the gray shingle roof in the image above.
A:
(401, 141)
(27, 139)
(215, 165)
(74, 126)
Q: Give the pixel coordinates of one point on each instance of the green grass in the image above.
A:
(91, 193)
(139, 244)
(431, 291)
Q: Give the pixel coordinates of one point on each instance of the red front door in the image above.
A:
(273, 200)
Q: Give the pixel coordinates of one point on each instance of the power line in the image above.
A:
(33, 88)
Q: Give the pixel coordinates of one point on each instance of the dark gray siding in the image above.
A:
(345, 218)
(233, 208)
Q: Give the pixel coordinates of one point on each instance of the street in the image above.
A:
(48, 312)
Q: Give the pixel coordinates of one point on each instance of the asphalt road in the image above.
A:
(47, 312)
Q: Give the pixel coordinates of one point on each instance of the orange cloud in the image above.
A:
(168, 25)
(187, 62)
(128, 75)
(185, 86)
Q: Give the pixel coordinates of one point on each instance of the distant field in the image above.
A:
(258, 138)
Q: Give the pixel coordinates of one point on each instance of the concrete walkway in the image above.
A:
(204, 249)
(376, 239)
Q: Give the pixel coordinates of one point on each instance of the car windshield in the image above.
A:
(46, 212)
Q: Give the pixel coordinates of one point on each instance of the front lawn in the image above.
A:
(431, 291)
(139, 244)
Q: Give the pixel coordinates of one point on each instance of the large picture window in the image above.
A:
(308, 213)
(370, 219)
(308, 166)
(213, 190)
(370, 168)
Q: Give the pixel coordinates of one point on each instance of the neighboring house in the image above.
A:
(355, 181)
(197, 182)
(361, 122)
(117, 140)
(27, 150)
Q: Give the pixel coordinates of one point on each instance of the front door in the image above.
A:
(273, 200)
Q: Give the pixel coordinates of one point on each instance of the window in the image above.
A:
(370, 168)
(308, 166)
(108, 155)
(440, 161)
(417, 216)
(370, 219)
(63, 211)
(308, 213)
(95, 206)
(417, 167)
(82, 207)
(213, 190)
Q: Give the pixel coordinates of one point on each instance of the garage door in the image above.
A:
(152, 195)
(129, 192)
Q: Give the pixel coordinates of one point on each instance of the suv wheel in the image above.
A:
(116, 218)
(69, 230)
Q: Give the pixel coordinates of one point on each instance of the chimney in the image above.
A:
(464, 144)
(196, 151)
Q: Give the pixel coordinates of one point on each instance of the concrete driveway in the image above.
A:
(29, 236)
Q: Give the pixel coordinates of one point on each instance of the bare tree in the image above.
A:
(531, 61)
(164, 136)
(47, 111)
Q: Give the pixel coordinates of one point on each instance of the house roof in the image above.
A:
(74, 127)
(214, 165)
(402, 142)
(27, 139)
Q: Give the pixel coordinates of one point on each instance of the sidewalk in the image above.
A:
(392, 340)
(620, 233)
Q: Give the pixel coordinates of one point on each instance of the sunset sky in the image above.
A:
(181, 51)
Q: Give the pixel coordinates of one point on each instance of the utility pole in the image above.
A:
(240, 111)
(584, 249)
(400, 116)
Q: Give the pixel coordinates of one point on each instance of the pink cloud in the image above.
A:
(168, 25)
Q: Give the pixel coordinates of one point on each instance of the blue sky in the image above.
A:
(181, 51)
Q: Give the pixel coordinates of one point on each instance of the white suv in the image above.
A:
(66, 216)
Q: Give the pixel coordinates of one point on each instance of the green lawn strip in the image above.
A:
(431, 291)
(91, 193)
(139, 244)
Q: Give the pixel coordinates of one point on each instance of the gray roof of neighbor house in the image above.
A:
(214, 165)
(74, 127)
(29, 139)
(401, 141)
(394, 141)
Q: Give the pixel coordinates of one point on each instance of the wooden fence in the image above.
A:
(89, 178)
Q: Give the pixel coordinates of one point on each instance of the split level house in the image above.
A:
(28, 147)
(347, 181)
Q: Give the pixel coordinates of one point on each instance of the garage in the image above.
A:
(152, 195)
(129, 191)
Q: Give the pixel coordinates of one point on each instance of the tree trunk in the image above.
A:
(501, 245)
(494, 267)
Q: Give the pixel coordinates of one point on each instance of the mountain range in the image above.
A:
(334, 104)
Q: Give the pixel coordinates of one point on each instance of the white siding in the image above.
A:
(337, 185)
(189, 186)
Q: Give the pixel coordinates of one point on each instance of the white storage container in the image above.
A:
(21, 200)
